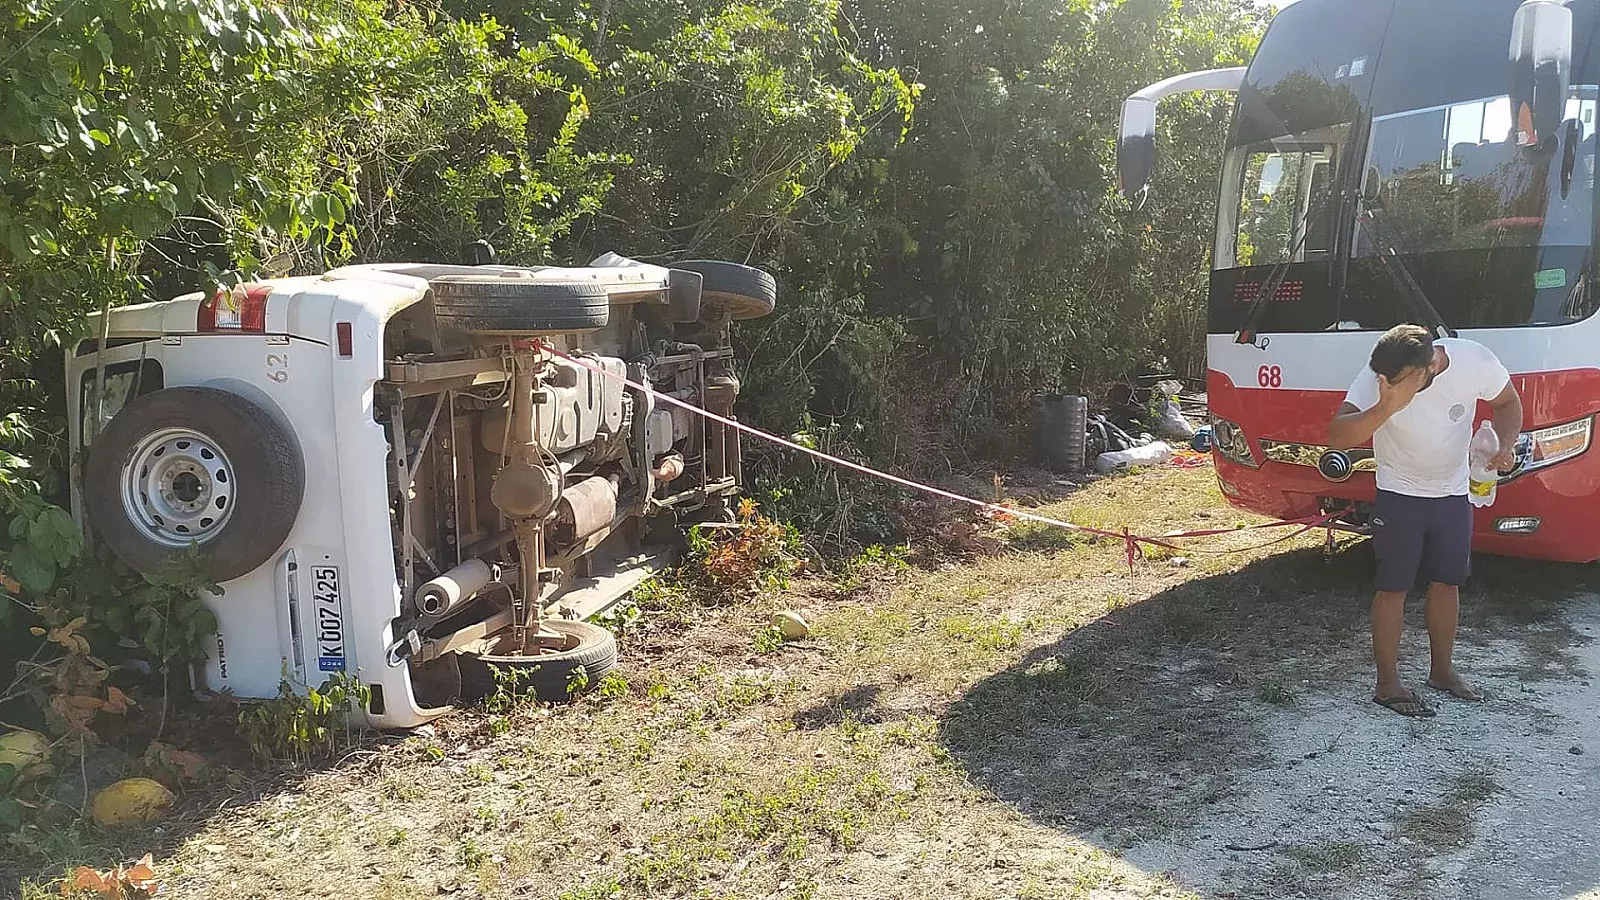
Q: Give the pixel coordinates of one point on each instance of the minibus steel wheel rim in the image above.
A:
(194, 467)
(178, 487)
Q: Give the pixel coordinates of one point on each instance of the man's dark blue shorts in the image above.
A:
(1421, 540)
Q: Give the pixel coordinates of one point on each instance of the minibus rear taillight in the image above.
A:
(242, 308)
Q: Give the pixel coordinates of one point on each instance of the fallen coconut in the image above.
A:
(790, 625)
(131, 800)
(26, 751)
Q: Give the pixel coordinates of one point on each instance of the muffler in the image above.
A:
(585, 508)
(450, 590)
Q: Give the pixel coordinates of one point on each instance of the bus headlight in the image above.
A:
(1229, 441)
(1548, 446)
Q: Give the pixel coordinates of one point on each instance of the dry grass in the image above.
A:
(1334, 857)
(1448, 823)
(1276, 692)
(987, 729)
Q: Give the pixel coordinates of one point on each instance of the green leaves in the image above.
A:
(108, 112)
(303, 728)
(326, 210)
(44, 542)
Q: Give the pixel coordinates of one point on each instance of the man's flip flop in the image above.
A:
(1407, 704)
(1471, 696)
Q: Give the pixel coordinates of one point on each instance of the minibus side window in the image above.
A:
(124, 382)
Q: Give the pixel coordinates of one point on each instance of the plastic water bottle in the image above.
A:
(1483, 477)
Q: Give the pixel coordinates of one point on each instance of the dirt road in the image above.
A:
(1491, 801)
(1235, 749)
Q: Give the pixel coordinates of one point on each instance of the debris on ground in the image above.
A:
(1153, 454)
(791, 625)
(131, 800)
(132, 883)
(1171, 421)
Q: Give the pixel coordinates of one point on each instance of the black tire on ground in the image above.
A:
(744, 291)
(547, 676)
(494, 306)
(262, 480)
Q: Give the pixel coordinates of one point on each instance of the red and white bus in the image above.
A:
(1391, 161)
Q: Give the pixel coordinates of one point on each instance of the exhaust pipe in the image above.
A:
(453, 588)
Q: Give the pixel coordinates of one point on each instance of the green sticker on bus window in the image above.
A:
(1550, 278)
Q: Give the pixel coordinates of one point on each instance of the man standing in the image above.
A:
(1417, 402)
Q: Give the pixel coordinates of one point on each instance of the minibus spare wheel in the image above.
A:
(514, 304)
(194, 467)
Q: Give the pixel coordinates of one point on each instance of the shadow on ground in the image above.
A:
(1132, 726)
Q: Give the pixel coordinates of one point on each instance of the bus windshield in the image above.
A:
(1453, 178)
(1281, 207)
(1495, 235)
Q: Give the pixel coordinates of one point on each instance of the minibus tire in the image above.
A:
(507, 306)
(187, 451)
(548, 676)
(744, 291)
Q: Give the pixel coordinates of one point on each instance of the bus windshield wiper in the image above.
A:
(1397, 270)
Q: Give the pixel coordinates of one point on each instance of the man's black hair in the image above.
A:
(1402, 347)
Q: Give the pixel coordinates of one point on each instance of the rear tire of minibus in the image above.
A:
(551, 676)
(194, 467)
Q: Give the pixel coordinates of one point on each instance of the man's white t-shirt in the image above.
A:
(1422, 449)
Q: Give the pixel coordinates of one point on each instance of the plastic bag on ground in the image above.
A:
(1174, 424)
(1154, 454)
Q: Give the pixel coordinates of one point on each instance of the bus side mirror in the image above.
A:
(1136, 140)
(1136, 148)
(1541, 64)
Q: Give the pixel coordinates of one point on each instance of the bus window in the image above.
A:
(1452, 178)
(1496, 235)
(1284, 211)
(1318, 222)
(1279, 204)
